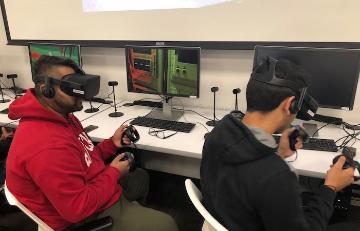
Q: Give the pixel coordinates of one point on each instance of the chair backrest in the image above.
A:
(195, 196)
(13, 201)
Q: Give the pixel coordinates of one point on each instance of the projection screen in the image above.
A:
(183, 21)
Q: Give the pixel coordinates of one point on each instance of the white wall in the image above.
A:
(226, 69)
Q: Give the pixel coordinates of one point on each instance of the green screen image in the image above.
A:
(145, 70)
(36, 50)
(183, 72)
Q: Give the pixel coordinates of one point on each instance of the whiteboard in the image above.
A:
(228, 21)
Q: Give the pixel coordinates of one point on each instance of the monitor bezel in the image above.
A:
(164, 85)
(353, 90)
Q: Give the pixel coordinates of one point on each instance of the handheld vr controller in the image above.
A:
(131, 133)
(298, 132)
(129, 157)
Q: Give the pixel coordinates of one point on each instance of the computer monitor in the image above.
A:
(334, 72)
(169, 71)
(165, 71)
(69, 51)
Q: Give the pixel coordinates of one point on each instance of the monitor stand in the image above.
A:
(165, 113)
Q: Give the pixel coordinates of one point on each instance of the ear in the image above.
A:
(41, 88)
(286, 104)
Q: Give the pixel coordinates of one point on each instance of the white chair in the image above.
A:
(13, 201)
(210, 223)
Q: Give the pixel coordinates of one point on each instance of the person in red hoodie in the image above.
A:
(54, 169)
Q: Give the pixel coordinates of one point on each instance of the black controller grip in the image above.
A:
(298, 132)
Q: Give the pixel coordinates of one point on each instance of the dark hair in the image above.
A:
(265, 97)
(45, 64)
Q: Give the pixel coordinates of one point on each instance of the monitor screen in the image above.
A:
(183, 66)
(171, 71)
(70, 51)
(145, 69)
(334, 72)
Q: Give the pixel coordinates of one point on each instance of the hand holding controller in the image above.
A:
(131, 133)
(349, 159)
(298, 132)
(129, 157)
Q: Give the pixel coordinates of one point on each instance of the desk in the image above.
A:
(181, 154)
(4, 119)
(316, 163)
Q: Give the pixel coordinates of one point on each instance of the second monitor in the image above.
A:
(169, 71)
(165, 71)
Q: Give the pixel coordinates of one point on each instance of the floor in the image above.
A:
(167, 193)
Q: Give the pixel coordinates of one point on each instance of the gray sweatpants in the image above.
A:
(129, 215)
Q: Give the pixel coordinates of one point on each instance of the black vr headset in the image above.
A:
(77, 84)
(304, 105)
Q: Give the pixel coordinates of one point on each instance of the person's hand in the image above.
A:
(122, 165)
(6, 133)
(284, 150)
(118, 135)
(338, 178)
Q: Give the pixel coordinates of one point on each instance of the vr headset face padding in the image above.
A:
(303, 105)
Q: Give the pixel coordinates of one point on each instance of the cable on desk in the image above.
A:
(347, 138)
(198, 114)
(317, 130)
(127, 121)
(195, 121)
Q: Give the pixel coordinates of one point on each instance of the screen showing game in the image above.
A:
(172, 71)
(145, 69)
(183, 72)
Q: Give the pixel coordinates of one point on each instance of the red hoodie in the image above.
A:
(54, 169)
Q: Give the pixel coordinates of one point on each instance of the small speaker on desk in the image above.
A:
(91, 109)
(115, 113)
(213, 122)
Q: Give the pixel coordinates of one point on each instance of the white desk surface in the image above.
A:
(189, 145)
(4, 119)
(316, 163)
(308, 163)
(183, 144)
(82, 115)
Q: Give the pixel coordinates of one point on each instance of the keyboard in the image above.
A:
(148, 103)
(163, 124)
(327, 145)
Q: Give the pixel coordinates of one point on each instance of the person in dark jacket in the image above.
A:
(246, 183)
